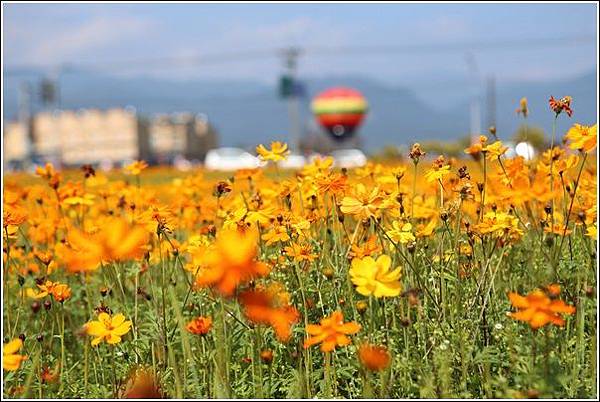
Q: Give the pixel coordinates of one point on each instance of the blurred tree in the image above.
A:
(390, 153)
(532, 134)
(449, 149)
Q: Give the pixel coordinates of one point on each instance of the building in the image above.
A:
(89, 136)
(113, 136)
(181, 134)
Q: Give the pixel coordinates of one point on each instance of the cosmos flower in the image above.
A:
(11, 360)
(107, 328)
(538, 310)
(363, 203)
(374, 357)
(582, 138)
(374, 277)
(300, 252)
(523, 109)
(199, 326)
(59, 291)
(558, 106)
(135, 168)
(401, 232)
(279, 151)
(331, 332)
(265, 307)
(495, 150)
(116, 240)
(231, 262)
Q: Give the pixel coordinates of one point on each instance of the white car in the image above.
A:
(228, 159)
(526, 150)
(293, 161)
(349, 158)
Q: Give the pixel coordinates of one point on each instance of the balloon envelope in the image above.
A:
(340, 111)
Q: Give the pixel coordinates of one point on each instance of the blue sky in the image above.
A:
(50, 34)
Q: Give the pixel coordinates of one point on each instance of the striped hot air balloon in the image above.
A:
(340, 111)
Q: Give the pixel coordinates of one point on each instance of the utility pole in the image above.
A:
(491, 100)
(290, 58)
(24, 116)
(475, 108)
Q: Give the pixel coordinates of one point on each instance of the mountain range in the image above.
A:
(246, 113)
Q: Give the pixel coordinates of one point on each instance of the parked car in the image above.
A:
(227, 159)
(293, 161)
(349, 158)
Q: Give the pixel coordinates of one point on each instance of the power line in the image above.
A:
(522, 43)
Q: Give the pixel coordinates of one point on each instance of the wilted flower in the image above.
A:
(558, 106)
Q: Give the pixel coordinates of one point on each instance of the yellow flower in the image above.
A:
(277, 234)
(108, 329)
(375, 278)
(434, 175)
(401, 234)
(279, 151)
(363, 204)
(495, 150)
(136, 167)
(583, 138)
(11, 361)
(592, 231)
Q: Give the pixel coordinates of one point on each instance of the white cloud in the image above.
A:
(443, 27)
(43, 43)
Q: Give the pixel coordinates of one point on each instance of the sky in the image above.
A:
(125, 39)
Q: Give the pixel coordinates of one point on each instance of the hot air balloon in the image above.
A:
(340, 111)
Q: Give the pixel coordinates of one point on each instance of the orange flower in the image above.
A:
(564, 104)
(373, 357)
(300, 252)
(538, 309)
(331, 332)
(523, 109)
(370, 247)
(49, 174)
(333, 182)
(263, 307)
(61, 292)
(116, 241)
(50, 375)
(553, 289)
(277, 234)
(477, 147)
(231, 262)
(364, 203)
(199, 326)
(142, 384)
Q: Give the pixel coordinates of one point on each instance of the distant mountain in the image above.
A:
(247, 112)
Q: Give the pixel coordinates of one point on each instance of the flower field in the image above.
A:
(426, 277)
